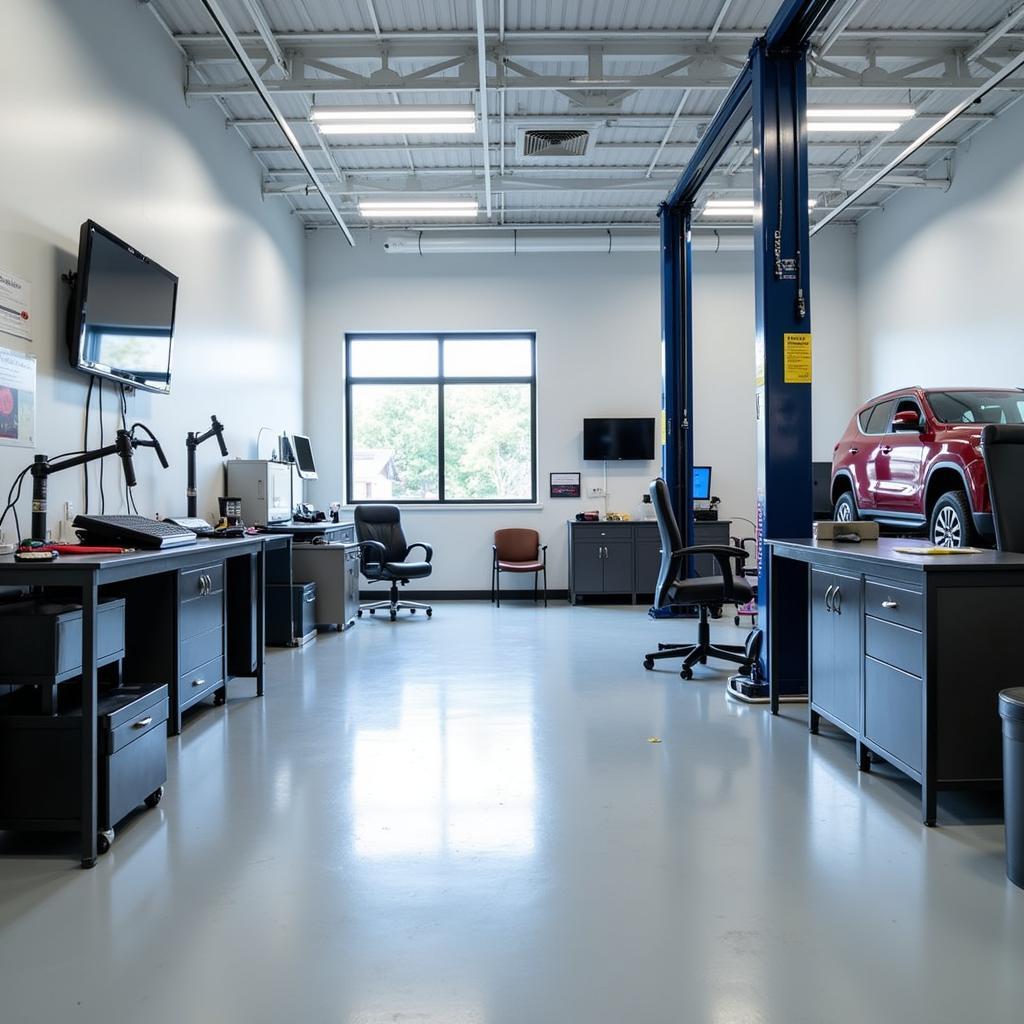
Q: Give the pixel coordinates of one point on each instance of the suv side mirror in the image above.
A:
(908, 420)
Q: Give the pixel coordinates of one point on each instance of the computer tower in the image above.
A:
(265, 489)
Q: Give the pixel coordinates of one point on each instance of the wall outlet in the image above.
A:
(595, 492)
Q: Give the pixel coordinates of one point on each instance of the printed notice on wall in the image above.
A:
(797, 358)
(17, 398)
(15, 305)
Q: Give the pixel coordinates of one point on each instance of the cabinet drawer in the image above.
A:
(892, 711)
(199, 582)
(896, 645)
(197, 650)
(200, 616)
(603, 531)
(146, 716)
(894, 604)
(200, 681)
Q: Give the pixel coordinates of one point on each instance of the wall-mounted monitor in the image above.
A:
(611, 440)
(121, 318)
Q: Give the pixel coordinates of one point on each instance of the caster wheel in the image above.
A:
(155, 797)
(373, 611)
(394, 615)
(412, 611)
(703, 661)
(648, 663)
(359, 614)
(430, 611)
(686, 673)
(735, 620)
(104, 840)
(220, 698)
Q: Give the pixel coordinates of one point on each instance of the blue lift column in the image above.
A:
(783, 356)
(677, 362)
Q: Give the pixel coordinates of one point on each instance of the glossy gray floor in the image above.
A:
(463, 821)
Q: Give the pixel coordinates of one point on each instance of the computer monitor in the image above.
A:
(701, 483)
(304, 464)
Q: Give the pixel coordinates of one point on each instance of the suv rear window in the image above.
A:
(874, 421)
(977, 406)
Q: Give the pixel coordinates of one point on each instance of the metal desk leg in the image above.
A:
(261, 622)
(89, 821)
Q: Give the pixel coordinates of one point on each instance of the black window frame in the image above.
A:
(439, 381)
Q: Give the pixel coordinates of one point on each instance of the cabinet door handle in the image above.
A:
(828, 599)
(837, 601)
(198, 682)
(142, 722)
(890, 604)
(201, 583)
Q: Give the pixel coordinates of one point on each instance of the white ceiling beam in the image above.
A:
(255, 11)
(722, 12)
(997, 33)
(838, 24)
(668, 131)
(214, 10)
(481, 58)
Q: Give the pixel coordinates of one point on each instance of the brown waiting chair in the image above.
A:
(518, 551)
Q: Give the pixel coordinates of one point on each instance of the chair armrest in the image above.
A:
(427, 549)
(722, 554)
(371, 544)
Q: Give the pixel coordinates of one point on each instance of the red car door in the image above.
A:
(898, 465)
(875, 424)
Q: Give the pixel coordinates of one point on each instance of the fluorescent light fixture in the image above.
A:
(853, 126)
(418, 209)
(736, 207)
(404, 120)
(860, 113)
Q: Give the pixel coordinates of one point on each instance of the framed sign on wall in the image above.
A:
(565, 485)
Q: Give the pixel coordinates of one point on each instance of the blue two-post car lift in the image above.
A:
(772, 90)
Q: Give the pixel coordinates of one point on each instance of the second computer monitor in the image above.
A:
(303, 452)
(701, 483)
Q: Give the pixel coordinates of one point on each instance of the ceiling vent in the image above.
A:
(554, 143)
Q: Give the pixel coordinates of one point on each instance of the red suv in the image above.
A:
(912, 459)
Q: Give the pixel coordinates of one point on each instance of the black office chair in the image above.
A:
(1002, 447)
(385, 557)
(704, 592)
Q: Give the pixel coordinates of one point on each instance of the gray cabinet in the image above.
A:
(835, 646)
(335, 570)
(625, 558)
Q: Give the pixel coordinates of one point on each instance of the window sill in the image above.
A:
(452, 507)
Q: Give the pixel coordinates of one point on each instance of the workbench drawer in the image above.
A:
(893, 710)
(206, 580)
(202, 680)
(896, 604)
(895, 645)
(198, 650)
(128, 714)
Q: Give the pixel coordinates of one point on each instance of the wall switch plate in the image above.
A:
(595, 492)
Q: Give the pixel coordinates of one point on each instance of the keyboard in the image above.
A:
(133, 531)
(200, 527)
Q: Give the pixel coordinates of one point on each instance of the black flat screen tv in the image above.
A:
(608, 440)
(121, 318)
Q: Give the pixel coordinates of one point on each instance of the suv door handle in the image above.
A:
(886, 448)
(853, 451)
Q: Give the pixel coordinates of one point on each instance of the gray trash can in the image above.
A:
(1011, 710)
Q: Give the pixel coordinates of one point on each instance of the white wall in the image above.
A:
(940, 274)
(95, 126)
(598, 328)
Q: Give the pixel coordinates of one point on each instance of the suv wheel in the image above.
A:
(951, 524)
(846, 509)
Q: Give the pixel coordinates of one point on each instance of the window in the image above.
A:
(977, 406)
(441, 418)
(878, 421)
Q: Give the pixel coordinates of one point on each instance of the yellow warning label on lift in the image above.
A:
(797, 358)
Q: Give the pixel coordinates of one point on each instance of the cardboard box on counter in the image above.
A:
(828, 530)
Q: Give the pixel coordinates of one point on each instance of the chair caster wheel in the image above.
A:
(686, 673)
(155, 797)
(104, 840)
(373, 611)
(220, 698)
(412, 611)
(648, 663)
(394, 615)
(359, 614)
(735, 620)
(430, 611)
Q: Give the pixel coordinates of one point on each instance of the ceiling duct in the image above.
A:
(605, 241)
(539, 143)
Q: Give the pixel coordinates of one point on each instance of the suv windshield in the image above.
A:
(977, 406)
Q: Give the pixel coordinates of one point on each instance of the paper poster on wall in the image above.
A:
(15, 305)
(17, 399)
(797, 358)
